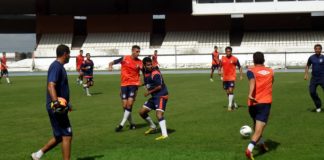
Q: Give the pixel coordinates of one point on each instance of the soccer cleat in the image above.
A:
(89, 95)
(132, 127)
(211, 80)
(249, 154)
(161, 138)
(221, 78)
(119, 128)
(318, 110)
(34, 157)
(150, 131)
(229, 108)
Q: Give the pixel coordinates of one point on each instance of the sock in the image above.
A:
(130, 119)
(251, 146)
(230, 99)
(126, 115)
(87, 90)
(162, 124)
(39, 153)
(8, 80)
(261, 141)
(149, 120)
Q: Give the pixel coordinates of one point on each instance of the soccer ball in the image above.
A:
(246, 131)
(63, 105)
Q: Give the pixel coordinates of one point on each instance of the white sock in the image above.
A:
(39, 154)
(126, 115)
(230, 99)
(130, 119)
(250, 147)
(87, 90)
(149, 120)
(7, 79)
(163, 128)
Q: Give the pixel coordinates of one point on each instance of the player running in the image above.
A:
(4, 67)
(228, 69)
(130, 80)
(87, 69)
(156, 87)
(317, 62)
(215, 63)
(58, 86)
(79, 61)
(259, 100)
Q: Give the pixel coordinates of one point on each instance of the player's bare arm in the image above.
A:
(157, 88)
(306, 72)
(52, 91)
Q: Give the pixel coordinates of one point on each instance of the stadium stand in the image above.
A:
(49, 41)
(283, 38)
(116, 40)
(196, 39)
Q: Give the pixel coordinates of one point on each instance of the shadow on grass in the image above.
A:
(239, 106)
(91, 157)
(272, 145)
(96, 93)
(313, 110)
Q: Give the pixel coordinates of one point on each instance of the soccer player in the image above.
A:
(87, 69)
(317, 62)
(79, 61)
(58, 86)
(156, 87)
(228, 69)
(131, 66)
(155, 62)
(215, 62)
(4, 67)
(259, 100)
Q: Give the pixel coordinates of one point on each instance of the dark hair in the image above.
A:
(145, 60)
(61, 49)
(155, 50)
(318, 45)
(258, 58)
(136, 47)
(88, 54)
(215, 47)
(228, 47)
(81, 51)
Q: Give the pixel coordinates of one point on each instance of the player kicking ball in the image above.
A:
(156, 87)
(259, 100)
(87, 68)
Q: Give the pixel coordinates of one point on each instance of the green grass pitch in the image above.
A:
(200, 125)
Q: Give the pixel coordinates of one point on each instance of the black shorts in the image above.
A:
(128, 92)
(228, 84)
(60, 123)
(157, 103)
(4, 72)
(214, 66)
(260, 112)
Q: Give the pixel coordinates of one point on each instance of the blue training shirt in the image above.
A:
(89, 67)
(57, 74)
(154, 79)
(317, 63)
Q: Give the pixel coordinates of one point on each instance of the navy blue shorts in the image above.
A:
(157, 103)
(214, 66)
(228, 84)
(128, 92)
(60, 123)
(4, 72)
(260, 112)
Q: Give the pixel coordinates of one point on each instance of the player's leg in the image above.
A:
(230, 97)
(144, 114)
(66, 147)
(126, 112)
(47, 147)
(6, 74)
(87, 85)
(312, 90)
(162, 101)
(212, 73)
(129, 107)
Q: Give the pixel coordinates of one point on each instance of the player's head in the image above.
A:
(63, 52)
(81, 52)
(147, 64)
(155, 52)
(88, 56)
(136, 51)
(318, 48)
(258, 58)
(228, 51)
(3, 53)
(215, 48)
